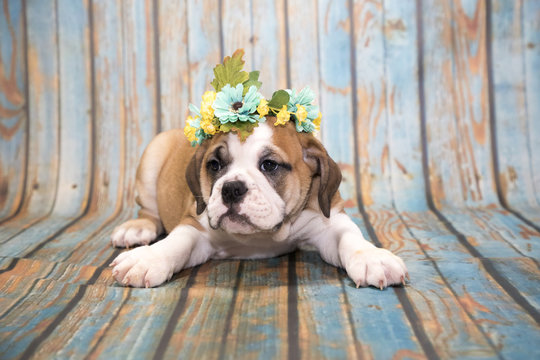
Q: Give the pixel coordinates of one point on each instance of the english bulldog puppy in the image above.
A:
(230, 199)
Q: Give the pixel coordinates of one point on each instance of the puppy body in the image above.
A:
(266, 196)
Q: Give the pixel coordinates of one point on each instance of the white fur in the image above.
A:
(338, 239)
(262, 205)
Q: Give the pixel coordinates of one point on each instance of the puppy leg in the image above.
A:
(342, 244)
(149, 266)
(148, 226)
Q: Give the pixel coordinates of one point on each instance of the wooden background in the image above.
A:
(431, 108)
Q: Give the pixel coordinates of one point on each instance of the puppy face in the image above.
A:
(257, 185)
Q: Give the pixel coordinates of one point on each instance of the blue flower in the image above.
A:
(231, 106)
(304, 97)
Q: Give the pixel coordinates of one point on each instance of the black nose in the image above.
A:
(233, 191)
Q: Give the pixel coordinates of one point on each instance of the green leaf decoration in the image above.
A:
(253, 80)
(279, 98)
(230, 72)
(243, 129)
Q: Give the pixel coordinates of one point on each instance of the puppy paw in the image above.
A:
(134, 232)
(376, 267)
(141, 267)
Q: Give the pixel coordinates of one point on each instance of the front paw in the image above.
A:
(376, 267)
(141, 267)
(134, 232)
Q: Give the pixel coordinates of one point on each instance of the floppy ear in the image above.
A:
(322, 165)
(193, 177)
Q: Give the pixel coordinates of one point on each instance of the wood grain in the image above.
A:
(13, 107)
(430, 109)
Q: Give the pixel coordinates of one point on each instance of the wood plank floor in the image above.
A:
(431, 109)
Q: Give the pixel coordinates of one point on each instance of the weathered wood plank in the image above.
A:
(140, 100)
(42, 176)
(403, 105)
(330, 308)
(256, 316)
(198, 322)
(13, 107)
(237, 28)
(531, 50)
(371, 121)
(448, 254)
(269, 44)
(204, 52)
(510, 104)
(173, 62)
(455, 73)
(75, 111)
(302, 38)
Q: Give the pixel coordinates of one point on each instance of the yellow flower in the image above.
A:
(209, 97)
(262, 109)
(301, 113)
(208, 127)
(207, 111)
(317, 122)
(189, 131)
(282, 116)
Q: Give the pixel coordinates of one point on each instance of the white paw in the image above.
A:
(134, 232)
(141, 267)
(376, 267)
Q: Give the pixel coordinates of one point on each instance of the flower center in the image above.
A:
(237, 105)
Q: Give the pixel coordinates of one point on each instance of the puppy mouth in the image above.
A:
(233, 216)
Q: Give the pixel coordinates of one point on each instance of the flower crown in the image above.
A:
(237, 106)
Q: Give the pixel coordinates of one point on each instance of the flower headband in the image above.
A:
(237, 106)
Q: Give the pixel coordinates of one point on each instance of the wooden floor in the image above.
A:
(431, 108)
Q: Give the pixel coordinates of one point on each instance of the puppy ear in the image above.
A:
(193, 177)
(317, 158)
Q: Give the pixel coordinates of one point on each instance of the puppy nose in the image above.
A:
(233, 191)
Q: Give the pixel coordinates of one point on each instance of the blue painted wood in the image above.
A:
(173, 63)
(510, 105)
(13, 108)
(448, 101)
(43, 150)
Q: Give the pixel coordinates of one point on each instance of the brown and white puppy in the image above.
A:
(266, 196)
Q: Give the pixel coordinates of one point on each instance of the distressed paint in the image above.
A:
(100, 73)
(174, 71)
(13, 107)
(269, 44)
(43, 150)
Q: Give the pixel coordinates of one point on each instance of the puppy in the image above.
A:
(262, 197)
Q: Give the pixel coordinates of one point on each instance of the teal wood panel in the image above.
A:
(457, 112)
(531, 50)
(204, 46)
(13, 108)
(43, 99)
(74, 113)
(302, 35)
(269, 44)
(429, 108)
(236, 28)
(403, 105)
(174, 74)
(512, 125)
(371, 121)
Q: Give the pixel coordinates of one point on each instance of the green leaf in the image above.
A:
(253, 80)
(243, 129)
(230, 72)
(279, 98)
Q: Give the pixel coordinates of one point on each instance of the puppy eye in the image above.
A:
(213, 165)
(269, 166)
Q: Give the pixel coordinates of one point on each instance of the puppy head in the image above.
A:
(257, 185)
